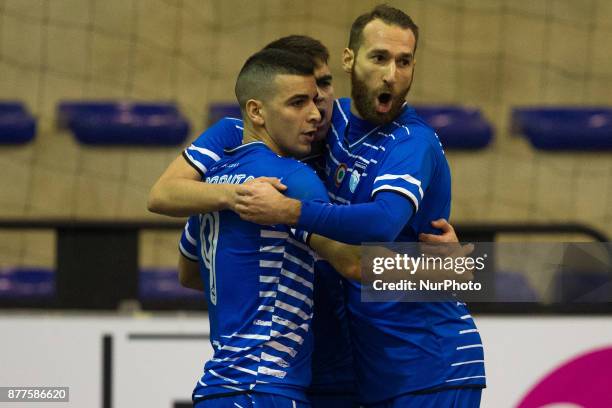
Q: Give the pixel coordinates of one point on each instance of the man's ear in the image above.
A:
(253, 110)
(348, 60)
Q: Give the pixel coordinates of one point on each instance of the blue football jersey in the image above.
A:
(332, 367)
(401, 347)
(258, 281)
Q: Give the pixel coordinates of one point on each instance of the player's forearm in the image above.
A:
(346, 259)
(376, 221)
(184, 197)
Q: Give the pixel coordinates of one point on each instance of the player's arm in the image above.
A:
(346, 259)
(188, 263)
(180, 192)
(380, 220)
(189, 274)
(397, 192)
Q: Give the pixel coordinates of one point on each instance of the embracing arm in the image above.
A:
(180, 192)
(189, 274)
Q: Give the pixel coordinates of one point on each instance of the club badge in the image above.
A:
(340, 173)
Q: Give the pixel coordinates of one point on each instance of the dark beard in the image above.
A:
(364, 102)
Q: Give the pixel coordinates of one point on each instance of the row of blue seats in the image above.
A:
(39, 283)
(159, 284)
(162, 124)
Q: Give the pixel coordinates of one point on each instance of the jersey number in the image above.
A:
(209, 236)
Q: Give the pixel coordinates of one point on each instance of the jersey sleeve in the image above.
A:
(407, 170)
(208, 148)
(188, 245)
(303, 184)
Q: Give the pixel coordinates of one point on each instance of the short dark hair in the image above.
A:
(301, 44)
(387, 14)
(256, 78)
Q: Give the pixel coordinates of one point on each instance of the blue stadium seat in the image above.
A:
(17, 126)
(582, 286)
(458, 128)
(124, 123)
(162, 284)
(27, 283)
(217, 111)
(565, 128)
(513, 287)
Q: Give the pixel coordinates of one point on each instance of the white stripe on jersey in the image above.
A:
(399, 190)
(297, 261)
(467, 362)
(273, 234)
(268, 279)
(291, 309)
(281, 347)
(405, 177)
(252, 357)
(187, 253)
(339, 144)
(267, 293)
(371, 147)
(273, 359)
(196, 163)
(244, 370)
(191, 240)
(469, 346)
(289, 324)
(466, 378)
(295, 294)
(468, 331)
(259, 322)
(303, 247)
(385, 135)
(363, 137)
(238, 127)
(467, 316)
(402, 126)
(291, 336)
(222, 377)
(270, 264)
(338, 199)
(296, 278)
(248, 336)
(205, 152)
(272, 248)
(263, 308)
(341, 111)
(272, 372)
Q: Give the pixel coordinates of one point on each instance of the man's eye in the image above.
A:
(297, 103)
(405, 62)
(378, 58)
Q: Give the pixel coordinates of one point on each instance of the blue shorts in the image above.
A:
(252, 400)
(333, 400)
(455, 398)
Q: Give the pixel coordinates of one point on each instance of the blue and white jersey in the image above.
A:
(258, 282)
(401, 347)
(332, 366)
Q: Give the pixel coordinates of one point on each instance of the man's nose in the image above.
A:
(389, 75)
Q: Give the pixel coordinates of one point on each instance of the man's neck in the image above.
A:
(250, 134)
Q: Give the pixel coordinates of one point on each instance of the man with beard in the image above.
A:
(389, 165)
(379, 215)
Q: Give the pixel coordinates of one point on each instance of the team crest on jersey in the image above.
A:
(358, 171)
(354, 180)
(340, 173)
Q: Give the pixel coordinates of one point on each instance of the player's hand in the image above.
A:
(262, 203)
(273, 181)
(448, 233)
